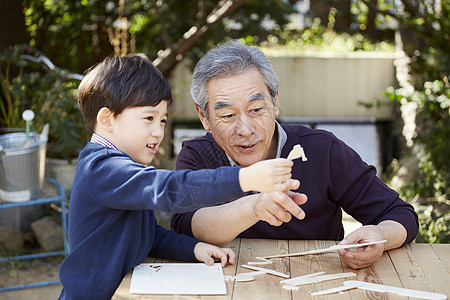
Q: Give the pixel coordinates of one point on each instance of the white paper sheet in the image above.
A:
(178, 278)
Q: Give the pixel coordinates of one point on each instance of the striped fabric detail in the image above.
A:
(95, 138)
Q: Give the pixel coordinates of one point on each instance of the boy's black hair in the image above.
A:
(119, 83)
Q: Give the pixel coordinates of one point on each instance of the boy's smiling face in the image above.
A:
(138, 131)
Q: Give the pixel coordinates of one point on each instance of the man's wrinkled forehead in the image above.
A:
(221, 103)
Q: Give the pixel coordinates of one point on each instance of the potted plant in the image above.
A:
(13, 100)
(67, 135)
(52, 94)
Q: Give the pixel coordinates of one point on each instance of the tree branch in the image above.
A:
(375, 8)
(168, 59)
(164, 36)
(413, 10)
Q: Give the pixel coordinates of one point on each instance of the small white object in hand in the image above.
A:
(297, 152)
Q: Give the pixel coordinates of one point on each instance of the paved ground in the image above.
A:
(46, 269)
(30, 271)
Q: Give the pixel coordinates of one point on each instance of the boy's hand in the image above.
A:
(266, 176)
(208, 254)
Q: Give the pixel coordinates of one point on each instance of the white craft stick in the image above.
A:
(268, 271)
(264, 259)
(258, 263)
(330, 249)
(286, 281)
(335, 290)
(254, 273)
(228, 277)
(297, 152)
(317, 279)
(396, 290)
(240, 278)
(291, 287)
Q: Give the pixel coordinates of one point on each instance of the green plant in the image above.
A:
(433, 181)
(13, 99)
(424, 98)
(67, 135)
(321, 38)
(432, 136)
(434, 220)
(50, 92)
(164, 30)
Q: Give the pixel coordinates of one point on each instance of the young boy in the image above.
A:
(112, 227)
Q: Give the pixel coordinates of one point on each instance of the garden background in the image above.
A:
(46, 46)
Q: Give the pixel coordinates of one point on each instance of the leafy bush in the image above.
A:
(433, 134)
(14, 100)
(434, 221)
(425, 34)
(433, 181)
(321, 38)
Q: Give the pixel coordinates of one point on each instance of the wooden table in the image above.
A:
(423, 267)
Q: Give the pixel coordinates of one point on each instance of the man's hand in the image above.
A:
(221, 224)
(277, 208)
(391, 231)
(364, 256)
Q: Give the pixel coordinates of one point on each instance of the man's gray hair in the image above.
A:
(229, 59)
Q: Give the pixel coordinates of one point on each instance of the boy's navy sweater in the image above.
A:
(333, 177)
(112, 227)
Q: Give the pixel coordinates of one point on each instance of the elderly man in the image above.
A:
(235, 91)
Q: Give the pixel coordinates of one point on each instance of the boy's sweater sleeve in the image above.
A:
(188, 159)
(138, 187)
(168, 244)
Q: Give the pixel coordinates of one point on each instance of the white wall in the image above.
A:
(320, 86)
